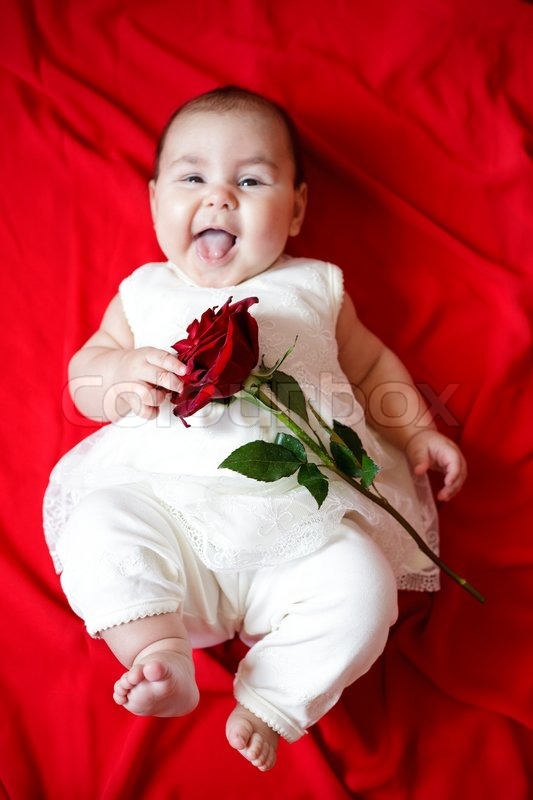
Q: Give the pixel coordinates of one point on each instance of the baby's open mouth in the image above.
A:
(214, 244)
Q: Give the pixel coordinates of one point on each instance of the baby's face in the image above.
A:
(224, 202)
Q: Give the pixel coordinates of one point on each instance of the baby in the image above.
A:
(159, 549)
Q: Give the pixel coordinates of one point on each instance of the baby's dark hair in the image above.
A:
(235, 98)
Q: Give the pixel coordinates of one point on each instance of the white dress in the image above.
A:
(234, 522)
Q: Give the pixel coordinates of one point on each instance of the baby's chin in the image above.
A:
(219, 276)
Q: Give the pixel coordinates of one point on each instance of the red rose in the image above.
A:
(220, 351)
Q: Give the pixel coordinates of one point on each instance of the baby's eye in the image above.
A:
(249, 182)
(193, 179)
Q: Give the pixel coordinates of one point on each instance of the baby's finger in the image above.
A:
(155, 396)
(421, 467)
(167, 380)
(137, 398)
(165, 361)
(167, 370)
(446, 493)
(418, 456)
(453, 480)
(145, 396)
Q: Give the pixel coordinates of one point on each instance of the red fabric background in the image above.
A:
(417, 120)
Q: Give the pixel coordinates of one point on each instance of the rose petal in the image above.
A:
(220, 351)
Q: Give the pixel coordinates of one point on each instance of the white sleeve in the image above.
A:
(336, 289)
(133, 292)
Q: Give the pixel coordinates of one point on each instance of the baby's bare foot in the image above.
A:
(252, 738)
(160, 683)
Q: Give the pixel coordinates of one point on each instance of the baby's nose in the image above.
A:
(221, 197)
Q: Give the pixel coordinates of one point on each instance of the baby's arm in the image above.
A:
(392, 403)
(108, 376)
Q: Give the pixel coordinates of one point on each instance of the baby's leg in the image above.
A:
(135, 581)
(315, 625)
(160, 681)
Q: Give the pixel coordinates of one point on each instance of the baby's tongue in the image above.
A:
(212, 244)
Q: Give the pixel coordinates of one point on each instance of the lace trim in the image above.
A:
(419, 582)
(301, 540)
(122, 617)
(59, 503)
(266, 712)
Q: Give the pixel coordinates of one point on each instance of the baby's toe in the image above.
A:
(125, 684)
(122, 686)
(255, 746)
(120, 698)
(120, 691)
(241, 735)
(156, 671)
(134, 676)
(263, 756)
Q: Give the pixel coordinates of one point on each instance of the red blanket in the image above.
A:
(417, 120)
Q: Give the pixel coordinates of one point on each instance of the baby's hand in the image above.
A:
(429, 449)
(143, 378)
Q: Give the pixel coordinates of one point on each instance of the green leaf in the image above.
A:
(288, 392)
(293, 444)
(310, 476)
(262, 461)
(366, 469)
(350, 439)
(369, 470)
(345, 460)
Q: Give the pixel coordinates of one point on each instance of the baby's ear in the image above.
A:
(300, 204)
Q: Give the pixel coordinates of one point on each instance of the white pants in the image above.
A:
(313, 625)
